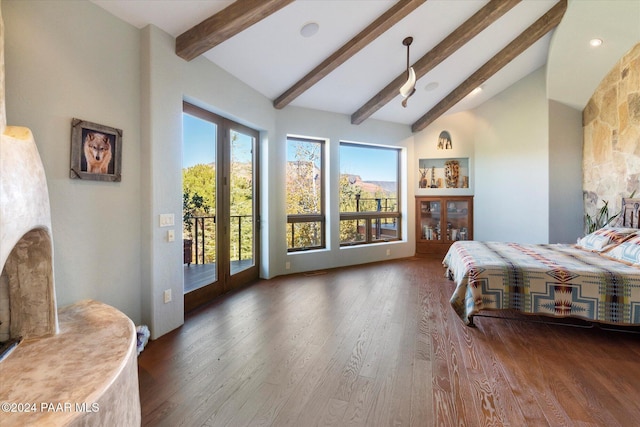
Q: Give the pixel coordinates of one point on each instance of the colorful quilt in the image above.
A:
(555, 280)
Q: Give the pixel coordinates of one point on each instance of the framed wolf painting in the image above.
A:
(96, 151)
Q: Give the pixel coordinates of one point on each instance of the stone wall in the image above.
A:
(611, 150)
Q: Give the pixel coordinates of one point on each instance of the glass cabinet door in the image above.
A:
(430, 215)
(457, 226)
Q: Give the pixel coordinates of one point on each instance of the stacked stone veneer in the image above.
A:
(611, 149)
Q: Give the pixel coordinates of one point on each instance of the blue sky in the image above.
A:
(199, 147)
(371, 165)
(199, 141)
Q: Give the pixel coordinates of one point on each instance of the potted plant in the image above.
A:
(601, 218)
(192, 206)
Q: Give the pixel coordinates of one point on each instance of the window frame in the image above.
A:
(293, 219)
(370, 217)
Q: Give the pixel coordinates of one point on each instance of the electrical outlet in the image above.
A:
(287, 265)
(167, 296)
(388, 252)
(166, 220)
(171, 235)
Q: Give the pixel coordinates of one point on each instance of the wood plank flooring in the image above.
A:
(379, 345)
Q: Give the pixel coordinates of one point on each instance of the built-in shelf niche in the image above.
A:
(451, 175)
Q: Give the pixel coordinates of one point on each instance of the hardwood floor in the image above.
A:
(379, 345)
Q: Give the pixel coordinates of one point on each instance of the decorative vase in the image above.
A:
(452, 173)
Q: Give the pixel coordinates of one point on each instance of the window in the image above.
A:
(369, 189)
(305, 194)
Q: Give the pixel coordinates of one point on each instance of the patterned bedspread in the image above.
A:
(556, 280)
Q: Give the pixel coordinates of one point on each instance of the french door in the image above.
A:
(220, 205)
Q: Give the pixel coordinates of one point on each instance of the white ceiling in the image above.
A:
(576, 68)
(271, 55)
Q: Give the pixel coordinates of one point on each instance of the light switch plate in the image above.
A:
(166, 220)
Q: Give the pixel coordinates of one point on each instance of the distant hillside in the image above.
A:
(387, 187)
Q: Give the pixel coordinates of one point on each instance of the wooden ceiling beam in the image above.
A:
(391, 17)
(461, 35)
(538, 29)
(236, 17)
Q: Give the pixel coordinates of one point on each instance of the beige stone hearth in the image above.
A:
(87, 374)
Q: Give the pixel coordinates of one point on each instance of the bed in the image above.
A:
(597, 279)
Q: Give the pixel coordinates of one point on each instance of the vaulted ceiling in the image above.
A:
(355, 63)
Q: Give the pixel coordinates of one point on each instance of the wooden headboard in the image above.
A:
(629, 214)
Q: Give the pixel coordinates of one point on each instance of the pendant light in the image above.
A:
(409, 87)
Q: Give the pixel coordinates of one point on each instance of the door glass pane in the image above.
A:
(430, 212)
(457, 220)
(242, 207)
(199, 202)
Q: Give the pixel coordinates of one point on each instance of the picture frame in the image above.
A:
(96, 151)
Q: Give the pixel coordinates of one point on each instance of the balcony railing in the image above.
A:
(375, 220)
(378, 204)
(204, 238)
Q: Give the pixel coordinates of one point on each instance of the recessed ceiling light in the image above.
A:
(309, 29)
(476, 90)
(431, 86)
(595, 42)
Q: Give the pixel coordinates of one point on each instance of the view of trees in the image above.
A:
(379, 193)
(356, 195)
(241, 197)
(304, 204)
(304, 194)
(199, 204)
(305, 215)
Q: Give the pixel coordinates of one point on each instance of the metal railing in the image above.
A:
(201, 236)
(371, 218)
(374, 220)
(377, 204)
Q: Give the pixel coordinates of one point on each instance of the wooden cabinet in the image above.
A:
(440, 221)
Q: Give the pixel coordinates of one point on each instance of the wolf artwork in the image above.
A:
(97, 152)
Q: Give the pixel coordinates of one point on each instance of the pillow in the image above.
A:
(627, 251)
(605, 238)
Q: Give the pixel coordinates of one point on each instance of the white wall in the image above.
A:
(566, 209)
(461, 126)
(168, 80)
(66, 60)
(512, 164)
(507, 141)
